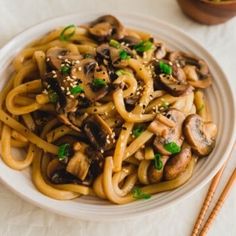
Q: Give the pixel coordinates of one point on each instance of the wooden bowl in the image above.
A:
(208, 12)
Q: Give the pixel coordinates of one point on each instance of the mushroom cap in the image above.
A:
(171, 134)
(196, 70)
(154, 175)
(200, 135)
(106, 27)
(57, 55)
(178, 163)
(98, 132)
(196, 78)
(174, 86)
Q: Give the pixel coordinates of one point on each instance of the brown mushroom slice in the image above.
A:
(84, 72)
(64, 119)
(154, 175)
(98, 132)
(200, 135)
(160, 51)
(178, 163)
(174, 86)
(170, 134)
(183, 59)
(78, 165)
(197, 79)
(56, 55)
(53, 166)
(131, 40)
(106, 27)
(110, 56)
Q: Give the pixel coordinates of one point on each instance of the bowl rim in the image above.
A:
(7, 46)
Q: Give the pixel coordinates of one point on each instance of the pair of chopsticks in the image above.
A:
(210, 194)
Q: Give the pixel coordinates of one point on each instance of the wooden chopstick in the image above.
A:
(209, 196)
(219, 203)
(207, 200)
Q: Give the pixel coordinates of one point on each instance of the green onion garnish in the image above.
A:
(114, 43)
(165, 68)
(99, 83)
(172, 147)
(158, 164)
(139, 194)
(143, 46)
(65, 70)
(76, 90)
(53, 96)
(63, 151)
(137, 131)
(122, 72)
(124, 55)
(67, 32)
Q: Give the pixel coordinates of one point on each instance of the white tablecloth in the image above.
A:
(18, 217)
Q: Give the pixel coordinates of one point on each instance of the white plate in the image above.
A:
(221, 102)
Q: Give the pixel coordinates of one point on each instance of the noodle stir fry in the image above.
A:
(107, 111)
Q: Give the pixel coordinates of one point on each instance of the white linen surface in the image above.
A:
(18, 217)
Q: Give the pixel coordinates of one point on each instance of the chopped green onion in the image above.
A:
(122, 72)
(172, 147)
(76, 90)
(158, 164)
(114, 43)
(67, 32)
(99, 83)
(165, 68)
(139, 194)
(63, 151)
(124, 55)
(53, 96)
(65, 70)
(143, 46)
(137, 131)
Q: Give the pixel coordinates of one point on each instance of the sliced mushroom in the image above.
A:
(169, 133)
(84, 72)
(131, 40)
(53, 166)
(64, 119)
(106, 27)
(54, 85)
(154, 175)
(178, 163)
(98, 132)
(174, 86)
(160, 51)
(78, 165)
(57, 174)
(196, 70)
(97, 161)
(197, 79)
(200, 135)
(56, 56)
(110, 56)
